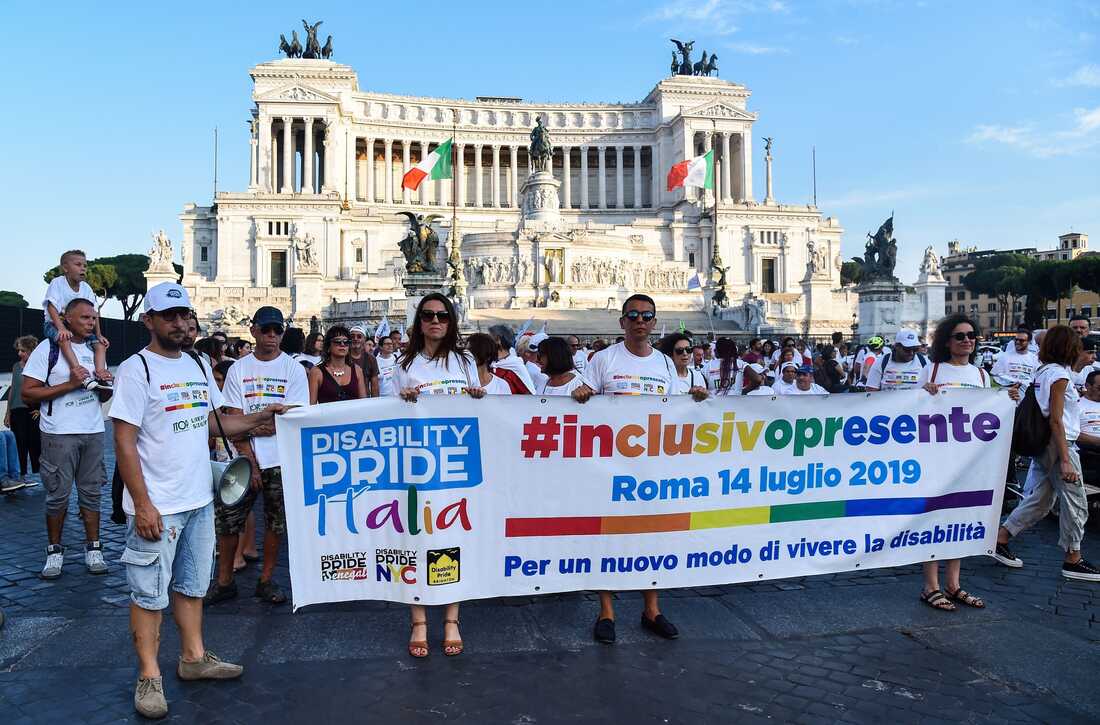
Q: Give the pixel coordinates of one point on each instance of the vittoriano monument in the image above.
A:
(684, 67)
(312, 49)
(419, 245)
(880, 255)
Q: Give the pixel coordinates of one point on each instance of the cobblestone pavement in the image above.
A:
(855, 647)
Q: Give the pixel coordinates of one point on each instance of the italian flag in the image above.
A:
(436, 165)
(698, 171)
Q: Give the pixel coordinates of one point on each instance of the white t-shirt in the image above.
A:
(1012, 367)
(713, 373)
(617, 371)
(387, 375)
(77, 411)
(314, 360)
(252, 385)
(513, 363)
(538, 378)
(574, 382)
(580, 360)
(781, 387)
(170, 409)
(896, 376)
(60, 294)
(1045, 377)
(497, 386)
(762, 390)
(439, 377)
(1089, 411)
(954, 376)
(815, 389)
(693, 379)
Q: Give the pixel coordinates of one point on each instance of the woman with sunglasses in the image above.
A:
(335, 378)
(432, 364)
(678, 347)
(951, 365)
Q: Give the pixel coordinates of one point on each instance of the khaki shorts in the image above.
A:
(68, 457)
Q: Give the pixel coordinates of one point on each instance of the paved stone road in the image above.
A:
(854, 647)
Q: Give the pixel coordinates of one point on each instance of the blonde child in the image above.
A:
(63, 289)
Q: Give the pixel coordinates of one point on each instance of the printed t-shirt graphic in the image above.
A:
(897, 376)
(77, 411)
(386, 375)
(617, 371)
(1090, 416)
(1012, 367)
(170, 410)
(438, 377)
(253, 384)
(954, 376)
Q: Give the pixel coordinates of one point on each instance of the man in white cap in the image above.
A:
(755, 376)
(528, 348)
(785, 383)
(165, 406)
(898, 369)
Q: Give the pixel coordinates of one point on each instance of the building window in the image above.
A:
(992, 325)
(947, 296)
(691, 259)
(1065, 256)
(767, 275)
(358, 255)
(204, 254)
(1087, 311)
(1070, 312)
(991, 307)
(278, 269)
(278, 229)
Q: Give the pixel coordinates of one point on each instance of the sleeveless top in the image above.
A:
(330, 390)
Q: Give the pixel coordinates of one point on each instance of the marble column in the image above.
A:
(426, 184)
(584, 177)
(387, 193)
(601, 175)
(727, 173)
(656, 172)
(566, 182)
(406, 163)
(328, 155)
(370, 170)
(746, 165)
(514, 158)
(288, 156)
(637, 177)
(479, 197)
(620, 195)
(495, 185)
(460, 171)
(361, 166)
(253, 158)
(307, 157)
(265, 161)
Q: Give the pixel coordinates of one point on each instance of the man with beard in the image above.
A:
(162, 448)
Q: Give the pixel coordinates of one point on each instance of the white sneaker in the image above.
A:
(10, 485)
(93, 558)
(55, 557)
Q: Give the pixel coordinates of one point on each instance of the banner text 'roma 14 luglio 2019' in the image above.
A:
(449, 499)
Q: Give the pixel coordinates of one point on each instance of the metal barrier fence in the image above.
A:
(126, 336)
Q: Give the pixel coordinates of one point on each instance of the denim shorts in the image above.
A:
(182, 560)
(51, 334)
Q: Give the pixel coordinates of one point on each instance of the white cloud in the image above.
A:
(717, 17)
(752, 49)
(1083, 135)
(1086, 75)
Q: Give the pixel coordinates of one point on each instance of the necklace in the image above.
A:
(337, 373)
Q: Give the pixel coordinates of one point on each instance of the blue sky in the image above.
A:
(975, 120)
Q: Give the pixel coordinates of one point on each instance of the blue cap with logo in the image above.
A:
(166, 296)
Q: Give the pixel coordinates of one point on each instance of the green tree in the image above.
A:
(850, 273)
(1002, 276)
(1047, 281)
(12, 299)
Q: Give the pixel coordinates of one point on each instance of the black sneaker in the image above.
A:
(604, 631)
(268, 591)
(1081, 570)
(660, 626)
(220, 593)
(1005, 556)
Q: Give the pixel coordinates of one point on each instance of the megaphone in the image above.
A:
(231, 480)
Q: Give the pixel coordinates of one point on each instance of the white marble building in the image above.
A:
(319, 220)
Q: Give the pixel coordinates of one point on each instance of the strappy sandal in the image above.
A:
(964, 597)
(937, 600)
(452, 647)
(418, 648)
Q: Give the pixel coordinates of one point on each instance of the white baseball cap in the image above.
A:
(534, 340)
(907, 338)
(756, 368)
(166, 296)
(788, 364)
(359, 329)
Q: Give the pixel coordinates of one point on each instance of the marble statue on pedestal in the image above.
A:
(160, 255)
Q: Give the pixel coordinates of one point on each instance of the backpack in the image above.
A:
(51, 361)
(1030, 429)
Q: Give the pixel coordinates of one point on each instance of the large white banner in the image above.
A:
(451, 498)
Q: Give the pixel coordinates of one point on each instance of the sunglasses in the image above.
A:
(435, 316)
(339, 341)
(646, 316)
(962, 336)
(174, 314)
(681, 350)
(269, 329)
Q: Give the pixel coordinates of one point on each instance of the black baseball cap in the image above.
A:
(268, 315)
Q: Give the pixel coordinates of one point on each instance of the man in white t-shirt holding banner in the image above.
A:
(71, 421)
(163, 412)
(900, 368)
(265, 377)
(632, 367)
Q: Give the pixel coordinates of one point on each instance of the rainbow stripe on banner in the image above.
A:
(749, 516)
(185, 406)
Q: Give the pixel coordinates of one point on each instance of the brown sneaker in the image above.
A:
(208, 668)
(149, 698)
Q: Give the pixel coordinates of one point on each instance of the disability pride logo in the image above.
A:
(426, 454)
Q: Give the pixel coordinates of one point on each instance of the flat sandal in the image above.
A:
(452, 644)
(418, 646)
